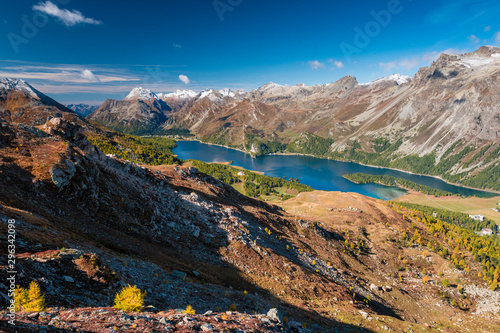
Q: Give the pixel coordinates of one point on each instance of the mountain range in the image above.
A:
(82, 109)
(89, 223)
(434, 123)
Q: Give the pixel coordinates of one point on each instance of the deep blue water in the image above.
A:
(320, 174)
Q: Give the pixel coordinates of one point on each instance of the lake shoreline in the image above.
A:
(389, 168)
(359, 163)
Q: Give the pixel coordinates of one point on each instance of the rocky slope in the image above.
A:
(141, 112)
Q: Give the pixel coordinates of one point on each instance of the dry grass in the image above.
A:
(470, 205)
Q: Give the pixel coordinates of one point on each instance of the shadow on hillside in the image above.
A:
(171, 254)
(239, 201)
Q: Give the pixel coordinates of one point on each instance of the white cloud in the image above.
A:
(177, 46)
(65, 74)
(337, 64)
(316, 65)
(497, 37)
(68, 18)
(88, 75)
(184, 79)
(474, 39)
(488, 28)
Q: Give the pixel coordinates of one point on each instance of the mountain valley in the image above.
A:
(442, 122)
(89, 224)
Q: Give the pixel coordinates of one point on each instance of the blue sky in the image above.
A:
(87, 51)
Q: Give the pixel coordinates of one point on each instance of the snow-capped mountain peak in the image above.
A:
(270, 87)
(19, 85)
(179, 94)
(226, 92)
(210, 93)
(142, 94)
(486, 55)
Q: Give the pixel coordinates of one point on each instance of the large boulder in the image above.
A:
(274, 315)
(62, 173)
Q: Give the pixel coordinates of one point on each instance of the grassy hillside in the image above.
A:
(470, 205)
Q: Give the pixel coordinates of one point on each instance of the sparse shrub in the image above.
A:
(425, 279)
(440, 274)
(130, 299)
(20, 298)
(232, 307)
(446, 283)
(30, 299)
(190, 310)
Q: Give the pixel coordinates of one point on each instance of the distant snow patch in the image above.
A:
(398, 78)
